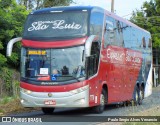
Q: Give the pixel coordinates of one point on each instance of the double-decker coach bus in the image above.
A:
(82, 56)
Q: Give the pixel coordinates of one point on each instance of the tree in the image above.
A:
(50, 3)
(12, 17)
(149, 19)
(38, 4)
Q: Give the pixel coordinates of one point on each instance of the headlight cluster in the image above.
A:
(75, 91)
(26, 91)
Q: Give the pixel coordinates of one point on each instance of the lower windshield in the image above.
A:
(55, 65)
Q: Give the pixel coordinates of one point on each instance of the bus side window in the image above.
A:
(150, 43)
(109, 34)
(144, 42)
(119, 34)
(96, 23)
(126, 35)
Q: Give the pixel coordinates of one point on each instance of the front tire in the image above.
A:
(48, 110)
(103, 101)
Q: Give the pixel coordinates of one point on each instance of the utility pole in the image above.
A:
(112, 6)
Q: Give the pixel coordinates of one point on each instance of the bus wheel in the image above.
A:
(135, 97)
(140, 95)
(142, 89)
(103, 99)
(47, 110)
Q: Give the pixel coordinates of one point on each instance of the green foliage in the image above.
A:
(13, 59)
(50, 3)
(16, 83)
(6, 99)
(149, 19)
(38, 4)
(1, 110)
(12, 17)
(6, 74)
(3, 60)
(9, 82)
(1, 46)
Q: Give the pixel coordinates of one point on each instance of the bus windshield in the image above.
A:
(56, 25)
(53, 64)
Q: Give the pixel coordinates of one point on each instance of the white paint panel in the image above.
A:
(149, 84)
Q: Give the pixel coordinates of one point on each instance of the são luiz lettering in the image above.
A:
(57, 24)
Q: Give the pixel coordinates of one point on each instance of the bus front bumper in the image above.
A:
(72, 98)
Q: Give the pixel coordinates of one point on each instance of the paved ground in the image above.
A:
(111, 110)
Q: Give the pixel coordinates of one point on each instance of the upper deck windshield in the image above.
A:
(56, 25)
(53, 65)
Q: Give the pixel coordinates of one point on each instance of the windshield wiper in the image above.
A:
(75, 78)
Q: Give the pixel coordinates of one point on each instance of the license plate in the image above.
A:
(50, 102)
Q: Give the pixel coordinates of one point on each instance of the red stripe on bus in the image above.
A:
(53, 44)
(61, 88)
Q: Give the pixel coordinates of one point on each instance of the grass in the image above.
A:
(10, 105)
(5, 100)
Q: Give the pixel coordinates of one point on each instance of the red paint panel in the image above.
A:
(120, 67)
(53, 44)
(61, 88)
(94, 91)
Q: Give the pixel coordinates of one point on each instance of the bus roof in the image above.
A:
(88, 8)
(63, 8)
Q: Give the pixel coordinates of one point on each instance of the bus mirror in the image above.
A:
(88, 45)
(10, 45)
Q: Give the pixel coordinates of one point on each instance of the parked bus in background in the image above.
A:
(82, 56)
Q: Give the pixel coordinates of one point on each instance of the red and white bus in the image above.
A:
(82, 56)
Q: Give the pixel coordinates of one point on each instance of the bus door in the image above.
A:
(92, 72)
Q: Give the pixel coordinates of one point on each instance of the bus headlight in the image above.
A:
(75, 91)
(26, 91)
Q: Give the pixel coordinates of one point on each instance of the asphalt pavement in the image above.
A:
(74, 116)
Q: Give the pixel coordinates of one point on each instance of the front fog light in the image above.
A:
(22, 101)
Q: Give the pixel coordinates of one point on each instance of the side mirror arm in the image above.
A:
(10, 45)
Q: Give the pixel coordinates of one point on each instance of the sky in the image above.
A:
(123, 8)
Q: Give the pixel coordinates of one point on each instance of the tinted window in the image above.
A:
(119, 33)
(110, 32)
(62, 24)
(127, 30)
(96, 24)
(93, 60)
(52, 64)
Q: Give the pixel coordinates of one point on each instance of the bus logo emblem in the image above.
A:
(49, 94)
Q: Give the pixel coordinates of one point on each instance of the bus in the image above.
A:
(82, 56)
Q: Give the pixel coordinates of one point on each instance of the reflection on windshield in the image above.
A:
(53, 64)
